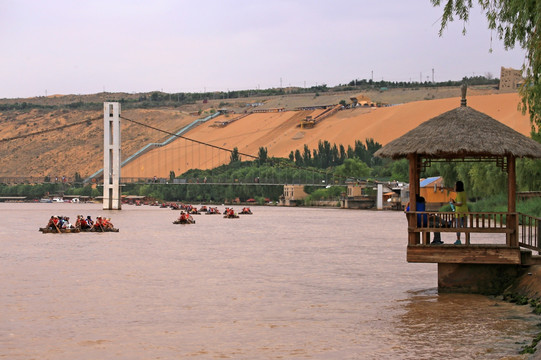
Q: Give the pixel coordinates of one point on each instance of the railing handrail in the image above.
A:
(440, 220)
(525, 228)
(529, 232)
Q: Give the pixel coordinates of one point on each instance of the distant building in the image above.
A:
(357, 197)
(510, 79)
(355, 189)
(434, 192)
(293, 194)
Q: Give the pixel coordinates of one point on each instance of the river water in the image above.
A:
(283, 283)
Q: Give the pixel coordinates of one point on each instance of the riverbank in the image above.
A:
(528, 285)
(526, 290)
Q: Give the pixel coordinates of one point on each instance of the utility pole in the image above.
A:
(432, 75)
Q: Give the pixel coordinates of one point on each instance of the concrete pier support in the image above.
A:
(379, 200)
(486, 279)
(111, 156)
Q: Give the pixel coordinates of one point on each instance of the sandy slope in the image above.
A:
(75, 149)
(278, 132)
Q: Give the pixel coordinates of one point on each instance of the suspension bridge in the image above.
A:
(169, 162)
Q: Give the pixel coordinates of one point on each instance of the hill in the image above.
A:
(79, 148)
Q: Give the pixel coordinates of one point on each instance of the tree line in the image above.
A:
(368, 84)
(323, 168)
(160, 99)
(327, 155)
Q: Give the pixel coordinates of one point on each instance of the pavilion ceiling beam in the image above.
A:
(500, 161)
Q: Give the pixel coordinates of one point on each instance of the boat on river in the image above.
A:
(213, 211)
(61, 225)
(229, 213)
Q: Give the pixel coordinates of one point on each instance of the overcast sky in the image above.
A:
(84, 47)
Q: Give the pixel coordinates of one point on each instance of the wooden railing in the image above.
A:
(477, 222)
(529, 232)
(520, 229)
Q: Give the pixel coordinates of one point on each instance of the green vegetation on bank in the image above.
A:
(498, 203)
(485, 179)
(325, 168)
(38, 191)
(327, 155)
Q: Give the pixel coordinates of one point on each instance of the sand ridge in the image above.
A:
(280, 134)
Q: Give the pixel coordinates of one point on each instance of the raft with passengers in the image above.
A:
(184, 218)
(229, 213)
(62, 225)
(246, 211)
(212, 211)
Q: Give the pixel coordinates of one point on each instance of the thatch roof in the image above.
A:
(461, 133)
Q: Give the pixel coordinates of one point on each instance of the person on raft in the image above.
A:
(98, 224)
(53, 222)
(66, 223)
(102, 223)
(107, 224)
(185, 217)
(80, 223)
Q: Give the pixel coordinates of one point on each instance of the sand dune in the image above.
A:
(75, 149)
(278, 132)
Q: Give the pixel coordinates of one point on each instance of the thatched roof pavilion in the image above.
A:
(463, 134)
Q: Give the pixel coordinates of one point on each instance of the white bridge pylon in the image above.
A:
(111, 156)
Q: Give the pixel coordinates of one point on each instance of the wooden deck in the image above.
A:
(464, 254)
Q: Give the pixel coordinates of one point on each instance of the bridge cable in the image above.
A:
(187, 138)
(50, 130)
(279, 162)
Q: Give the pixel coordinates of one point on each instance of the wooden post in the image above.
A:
(413, 237)
(512, 220)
